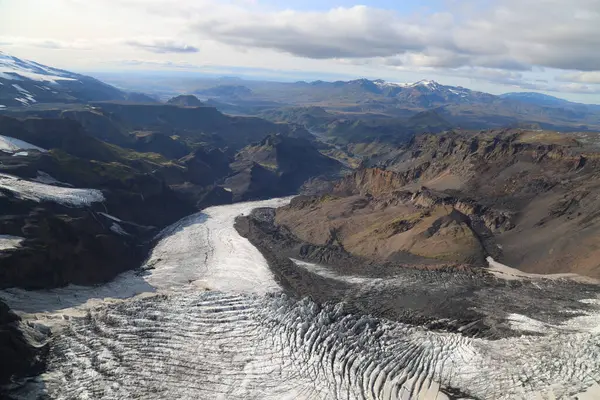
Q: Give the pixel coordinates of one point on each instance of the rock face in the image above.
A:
(22, 346)
(522, 197)
(278, 165)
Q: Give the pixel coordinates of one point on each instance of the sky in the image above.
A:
(497, 46)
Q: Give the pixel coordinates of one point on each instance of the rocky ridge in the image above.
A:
(521, 197)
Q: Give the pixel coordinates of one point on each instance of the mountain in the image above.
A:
(225, 91)
(185, 101)
(539, 99)
(366, 98)
(25, 83)
(166, 129)
(136, 97)
(278, 165)
(459, 198)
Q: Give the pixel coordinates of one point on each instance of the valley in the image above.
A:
(359, 239)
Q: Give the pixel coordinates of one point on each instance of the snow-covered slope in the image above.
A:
(428, 87)
(23, 83)
(12, 145)
(36, 191)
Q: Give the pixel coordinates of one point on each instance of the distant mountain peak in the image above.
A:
(432, 85)
(17, 69)
(539, 99)
(26, 82)
(185, 100)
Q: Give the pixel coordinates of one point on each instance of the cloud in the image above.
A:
(162, 46)
(155, 63)
(580, 77)
(574, 88)
(159, 45)
(44, 43)
(508, 34)
(518, 80)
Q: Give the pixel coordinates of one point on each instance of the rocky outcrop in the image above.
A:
(206, 166)
(279, 165)
(519, 196)
(23, 347)
(398, 227)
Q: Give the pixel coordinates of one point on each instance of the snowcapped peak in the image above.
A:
(429, 84)
(432, 85)
(381, 83)
(13, 68)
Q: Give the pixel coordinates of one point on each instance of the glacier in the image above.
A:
(205, 319)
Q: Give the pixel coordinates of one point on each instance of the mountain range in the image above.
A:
(405, 206)
(29, 84)
(364, 98)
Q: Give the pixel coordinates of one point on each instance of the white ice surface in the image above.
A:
(74, 299)
(203, 250)
(41, 192)
(206, 247)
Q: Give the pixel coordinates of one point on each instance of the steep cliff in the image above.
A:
(523, 197)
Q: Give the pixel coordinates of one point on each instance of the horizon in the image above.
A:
(495, 47)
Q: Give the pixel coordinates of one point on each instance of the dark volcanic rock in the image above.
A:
(279, 165)
(22, 347)
(459, 299)
(206, 166)
(161, 144)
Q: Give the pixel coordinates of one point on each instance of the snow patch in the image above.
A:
(116, 228)
(21, 154)
(2, 106)
(110, 217)
(8, 242)
(520, 322)
(13, 68)
(20, 89)
(41, 192)
(47, 179)
(383, 84)
(11, 145)
(510, 274)
(29, 97)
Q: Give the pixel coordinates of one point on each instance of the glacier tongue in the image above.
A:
(37, 191)
(243, 338)
(205, 248)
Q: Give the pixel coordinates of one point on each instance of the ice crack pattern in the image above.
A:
(239, 337)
